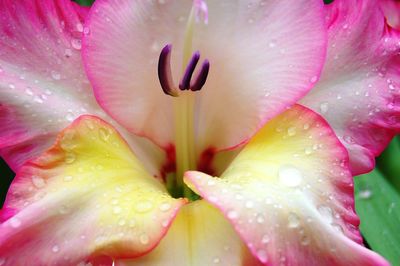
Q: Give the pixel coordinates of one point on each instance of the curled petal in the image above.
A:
(199, 236)
(359, 90)
(289, 195)
(274, 47)
(86, 197)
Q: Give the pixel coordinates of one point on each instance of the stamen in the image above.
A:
(185, 82)
(201, 77)
(165, 73)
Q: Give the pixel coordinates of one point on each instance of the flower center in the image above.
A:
(184, 99)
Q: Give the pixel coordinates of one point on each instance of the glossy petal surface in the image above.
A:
(264, 56)
(199, 236)
(289, 195)
(43, 87)
(85, 197)
(359, 90)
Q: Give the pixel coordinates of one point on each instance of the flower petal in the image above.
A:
(43, 86)
(289, 195)
(85, 197)
(358, 92)
(199, 236)
(42, 83)
(276, 48)
(391, 9)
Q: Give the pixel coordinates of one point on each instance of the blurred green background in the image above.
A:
(377, 197)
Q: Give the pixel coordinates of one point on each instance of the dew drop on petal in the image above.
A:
(104, 134)
(232, 214)
(265, 239)
(293, 220)
(326, 212)
(15, 222)
(70, 157)
(290, 176)
(143, 206)
(38, 182)
(262, 255)
(68, 178)
(365, 194)
(313, 79)
(165, 206)
(144, 239)
(55, 249)
(76, 44)
(324, 107)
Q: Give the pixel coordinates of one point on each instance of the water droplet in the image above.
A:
(68, 53)
(11, 86)
(38, 181)
(338, 228)
(262, 255)
(232, 214)
(324, 107)
(293, 220)
(165, 206)
(290, 176)
(305, 240)
(55, 75)
(79, 27)
(76, 43)
(15, 222)
(348, 139)
(55, 249)
(70, 157)
(144, 239)
(326, 212)
(121, 222)
(313, 79)
(291, 131)
(69, 117)
(216, 260)
(68, 178)
(117, 210)
(249, 204)
(260, 219)
(28, 91)
(365, 194)
(265, 239)
(104, 134)
(143, 206)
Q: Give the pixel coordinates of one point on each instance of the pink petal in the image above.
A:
(42, 83)
(199, 236)
(289, 195)
(86, 197)
(264, 56)
(391, 9)
(358, 92)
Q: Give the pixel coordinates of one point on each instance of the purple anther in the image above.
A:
(185, 82)
(164, 71)
(201, 77)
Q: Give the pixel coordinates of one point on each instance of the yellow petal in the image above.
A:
(86, 196)
(199, 236)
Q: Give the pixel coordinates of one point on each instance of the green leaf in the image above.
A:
(378, 206)
(84, 2)
(389, 162)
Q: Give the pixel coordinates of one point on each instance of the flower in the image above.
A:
(287, 195)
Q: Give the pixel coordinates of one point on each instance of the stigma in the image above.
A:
(187, 82)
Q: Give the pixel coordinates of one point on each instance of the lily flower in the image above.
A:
(163, 95)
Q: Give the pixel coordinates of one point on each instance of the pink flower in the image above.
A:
(283, 100)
